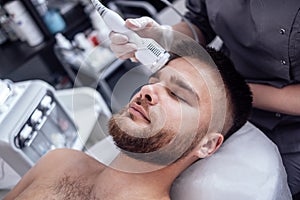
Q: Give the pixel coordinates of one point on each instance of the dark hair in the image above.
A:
(237, 89)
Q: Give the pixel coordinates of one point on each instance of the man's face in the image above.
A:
(165, 118)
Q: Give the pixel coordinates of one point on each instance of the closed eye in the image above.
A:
(173, 94)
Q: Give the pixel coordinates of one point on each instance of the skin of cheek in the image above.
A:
(171, 112)
(181, 118)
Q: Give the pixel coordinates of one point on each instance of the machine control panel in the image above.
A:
(47, 128)
(32, 122)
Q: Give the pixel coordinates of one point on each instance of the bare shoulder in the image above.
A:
(65, 162)
(59, 161)
(65, 154)
(57, 166)
(66, 158)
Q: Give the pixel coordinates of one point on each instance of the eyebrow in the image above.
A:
(155, 75)
(183, 85)
(174, 79)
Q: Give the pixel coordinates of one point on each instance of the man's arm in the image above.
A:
(22, 185)
(26, 181)
(283, 100)
(43, 166)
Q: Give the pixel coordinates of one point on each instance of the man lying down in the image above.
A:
(182, 115)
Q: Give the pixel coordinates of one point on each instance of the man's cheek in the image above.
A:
(174, 117)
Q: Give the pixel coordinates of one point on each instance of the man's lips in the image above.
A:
(139, 111)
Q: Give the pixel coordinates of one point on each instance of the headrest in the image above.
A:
(248, 166)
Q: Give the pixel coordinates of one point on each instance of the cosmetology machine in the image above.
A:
(32, 122)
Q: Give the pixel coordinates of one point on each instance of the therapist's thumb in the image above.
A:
(141, 23)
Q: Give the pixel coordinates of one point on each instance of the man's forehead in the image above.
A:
(182, 68)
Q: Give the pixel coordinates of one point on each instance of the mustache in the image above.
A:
(143, 102)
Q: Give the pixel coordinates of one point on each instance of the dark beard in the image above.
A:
(162, 148)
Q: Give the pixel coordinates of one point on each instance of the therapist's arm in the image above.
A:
(283, 100)
(182, 27)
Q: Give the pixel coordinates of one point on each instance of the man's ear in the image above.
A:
(209, 144)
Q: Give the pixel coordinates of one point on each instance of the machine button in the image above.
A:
(46, 103)
(36, 117)
(283, 62)
(25, 133)
(282, 31)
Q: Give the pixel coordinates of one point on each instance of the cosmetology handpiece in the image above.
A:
(149, 52)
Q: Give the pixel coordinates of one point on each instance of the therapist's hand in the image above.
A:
(145, 27)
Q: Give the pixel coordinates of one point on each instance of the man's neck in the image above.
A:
(132, 179)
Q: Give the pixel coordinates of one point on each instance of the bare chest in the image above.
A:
(64, 188)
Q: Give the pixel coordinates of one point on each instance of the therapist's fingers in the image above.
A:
(121, 47)
(144, 27)
(141, 23)
(134, 24)
(120, 44)
(118, 38)
(124, 51)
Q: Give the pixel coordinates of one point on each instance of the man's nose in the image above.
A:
(149, 94)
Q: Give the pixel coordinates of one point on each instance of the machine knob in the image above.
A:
(36, 117)
(25, 134)
(46, 103)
